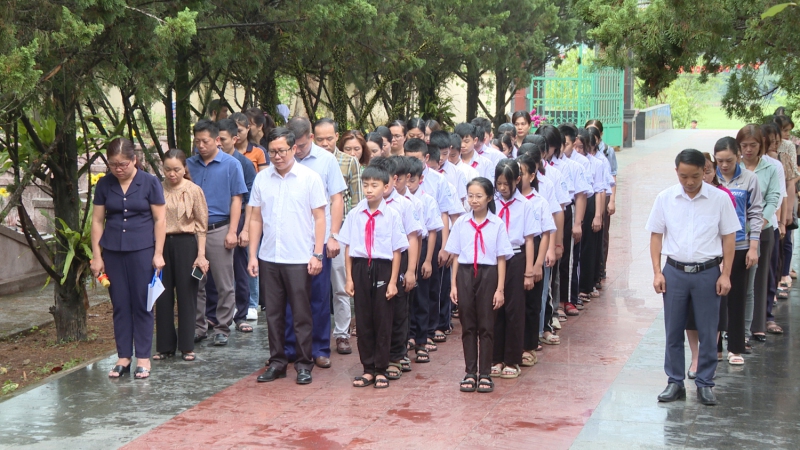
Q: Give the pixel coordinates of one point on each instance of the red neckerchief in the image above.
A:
(369, 233)
(505, 210)
(533, 194)
(478, 236)
(474, 164)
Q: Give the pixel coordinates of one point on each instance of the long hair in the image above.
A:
(355, 134)
(530, 162)
(508, 169)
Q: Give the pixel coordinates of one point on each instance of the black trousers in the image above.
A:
(533, 309)
(282, 284)
(475, 295)
(421, 306)
(509, 323)
(437, 284)
(130, 273)
(606, 238)
(589, 250)
(180, 251)
(374, 313)
(399, 322)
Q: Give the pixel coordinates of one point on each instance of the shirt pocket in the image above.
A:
(706, 230)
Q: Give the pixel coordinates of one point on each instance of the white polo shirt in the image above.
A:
(456, 177)
(286, 203)
(437, 187)
(693, 228)
(495, 241)
(518, 216)
(483, 165)
(431, 217)
(388, 234)
(408, 215)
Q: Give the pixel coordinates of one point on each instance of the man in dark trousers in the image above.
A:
(694, 225)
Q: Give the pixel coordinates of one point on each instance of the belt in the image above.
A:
(220, 224)
(694, 267)
(517, 250)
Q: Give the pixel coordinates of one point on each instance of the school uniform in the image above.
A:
(287, 245)
(537, 299)
(478, 245)
(455, 177)
(490, 153)
(421, 303)
(591, 242)
(412, 227)
(128, 244)
(520, 222)
(470, 173)
(371, 239)
(484, 166)
(692, 232)
(609, 158)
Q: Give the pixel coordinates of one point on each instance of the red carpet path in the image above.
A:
(545, 408)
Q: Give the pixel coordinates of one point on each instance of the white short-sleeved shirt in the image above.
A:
(432, 218)
(693, 228)
(469, 172)
(588, 173)
(547, 191)
(437, 187)
(325, 164)
(495, 241)
(286, 204)
(599, 177)
(518, 217)
(574, 172)
(408, 214)
(607, 171)
(483, 165)
(491, 153)
(455, 177)
(419, 211)
(458, 207)
(781, 181)
(541, 212)
(560, 188)
(388, 234)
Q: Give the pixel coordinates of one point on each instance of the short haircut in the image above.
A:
(691, 157)
(727, 143)
(206, 125)
(506, 127)
(415, 166)
(326, 121)
(552, 136)
(466, 129)
(373, 172)
(433, 153)
(384, 132)
(240, 119)
(228, 125)
(568, 130)
(440, 139)
(484, 126)
(300, 126)
(281, 132)
(415, 146)
(216, 106)
(751, 131)
(383, 163)
(400, 165)
(455, 141)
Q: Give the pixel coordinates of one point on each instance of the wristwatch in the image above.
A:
(335, 236)
(317, 255)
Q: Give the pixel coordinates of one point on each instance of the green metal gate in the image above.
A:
(593, 94)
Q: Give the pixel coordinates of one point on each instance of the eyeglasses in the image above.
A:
(119, 165)
(397, 137)
(282, 152)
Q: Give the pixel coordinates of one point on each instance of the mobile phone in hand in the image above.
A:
(197, 273)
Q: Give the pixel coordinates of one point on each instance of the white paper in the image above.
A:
(154, 290)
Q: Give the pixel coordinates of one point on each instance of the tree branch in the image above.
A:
(248, 25)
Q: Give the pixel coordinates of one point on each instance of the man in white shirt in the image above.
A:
(469, 134)
(288, 201)
(694, 225)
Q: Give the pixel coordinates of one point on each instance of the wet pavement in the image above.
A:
(596, 390)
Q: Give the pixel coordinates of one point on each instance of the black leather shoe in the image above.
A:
(674, 391)
(706, 396)
(220, 339)
(199, 338)
(691, 375)
(271, 374)
(760, 337)
(303, 376)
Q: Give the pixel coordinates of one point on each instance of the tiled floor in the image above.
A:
(596, 390)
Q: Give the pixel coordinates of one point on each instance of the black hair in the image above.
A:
(536, 151)
(126, 149)
(282, 132)
(400, 165)
(466, 129)
(553, 138)
(487, 188)
(780, 111)
(586, 139)
(691, 157)
(228, 125)
(441, 139)
(507, 139)
(384, 163)
(567, 131)
(726, 143)
(300, 126)
(216, 106)
(397, 123)
(240, 119)
(599, 125)
(415, 146)
(416, 122)
(415, 166)
(207, 125)
(524, 114)
(509, 169)
(374, 172)
(530, 160)
(178, 154)
(506, 127)
(782, 121)
(537, 141)
(375, 138)
(433, 153)
(455, 141)
(327, 121)
(385, 133)
(597, 138)
(482, 128)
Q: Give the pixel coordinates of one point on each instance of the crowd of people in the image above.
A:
(728, 255)
(409, 226)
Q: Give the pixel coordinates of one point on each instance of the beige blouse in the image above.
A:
(187, 211)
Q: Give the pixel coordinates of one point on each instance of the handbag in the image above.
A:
(154, 289)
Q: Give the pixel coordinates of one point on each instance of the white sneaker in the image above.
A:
(555, 323)
(252, 314)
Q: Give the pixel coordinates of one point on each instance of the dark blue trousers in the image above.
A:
(699, 292)
(130, 273)
(435, 287)
(421, 303)
(320, 314)
(242, 280)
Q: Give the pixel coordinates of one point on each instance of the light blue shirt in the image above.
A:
(220, 179)
(327, 167)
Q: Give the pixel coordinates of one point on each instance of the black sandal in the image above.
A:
(364, 381)
(381, 383)
(422, 356)
(430, 346)
(120, 370)
(405, 364)
(161, 356)
(485, 385)
(188, 356)
(244, 327)
(394, 374)
(470, 381)
(440, 336)
(141, 371)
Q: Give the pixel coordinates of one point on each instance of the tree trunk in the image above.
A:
(501, 90)
(170, 120)
(183, 123)
(69, 310)
(473, 89)
(267, 92)
(338, 91)
(428, 102)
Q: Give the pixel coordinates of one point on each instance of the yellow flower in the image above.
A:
(4, 193)
(95, 178)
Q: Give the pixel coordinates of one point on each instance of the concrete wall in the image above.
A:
(20, 270)
(652, 121)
